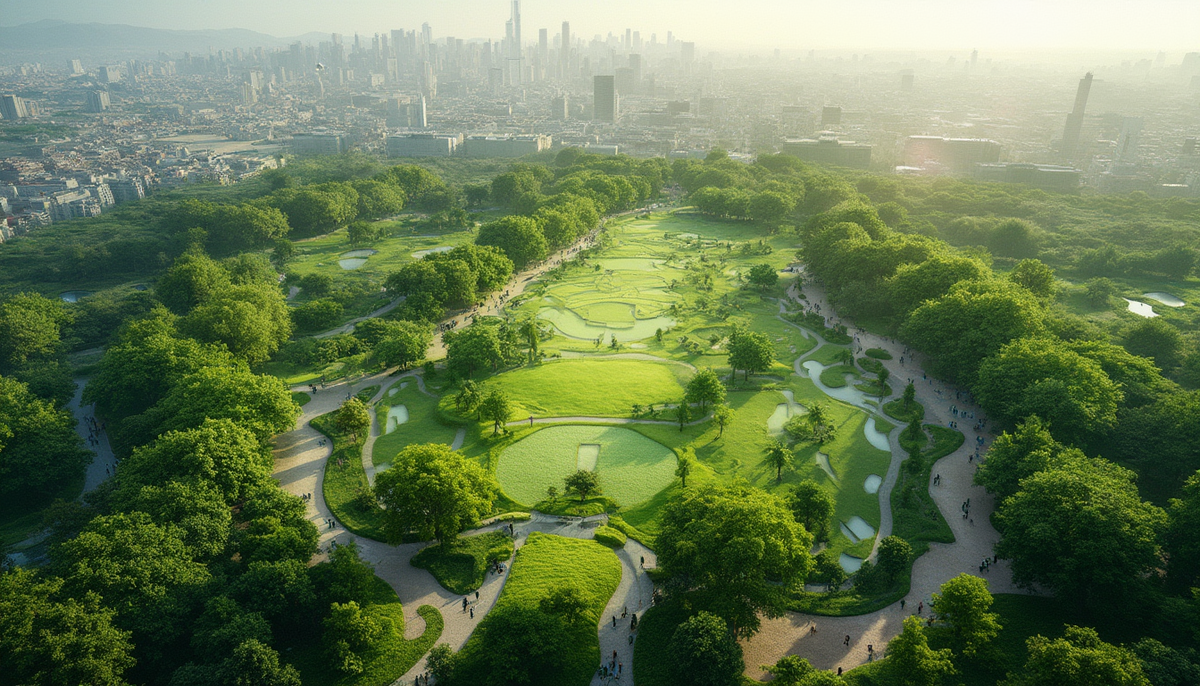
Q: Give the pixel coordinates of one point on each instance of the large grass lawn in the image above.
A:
(461, 566)
(546, 562)
(631, 467)
(589, 387)
(423, 424)
(387, 659)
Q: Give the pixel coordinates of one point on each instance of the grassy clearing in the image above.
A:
(895, 409)
(301, 399)
(424, 425)
(546, 562)
(346, 489)
(590, 388)
(835, 377)
(367, 394)
(632, 468)
(461, 566)
(387, 659)
(829, 355)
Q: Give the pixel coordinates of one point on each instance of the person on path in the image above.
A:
(464, 603)
(472, 613)
(920, 607)
(614, 621)
(846, 641)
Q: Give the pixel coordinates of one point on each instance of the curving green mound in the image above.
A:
(632, 468)
(613, 538)
(590, 388)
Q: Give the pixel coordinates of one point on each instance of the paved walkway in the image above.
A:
(632, 597)
(974, 536)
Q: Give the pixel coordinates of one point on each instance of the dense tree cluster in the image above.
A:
(455, 279)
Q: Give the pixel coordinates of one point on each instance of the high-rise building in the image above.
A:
(831, 116)
(98, 101)
(687, 52)
(1128, 139)
(560, 108)
(604, 99)
(76, 67)
(1070, 142)
(565, 57)
(108, 75)
(515, 46)
(13, 107)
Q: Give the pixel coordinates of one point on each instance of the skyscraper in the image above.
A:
(13, 107)
(604, 99)
(1070, 143)
(687, 52)
(515, 47)
(566, 49)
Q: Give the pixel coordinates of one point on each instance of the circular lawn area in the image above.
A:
(632, 468)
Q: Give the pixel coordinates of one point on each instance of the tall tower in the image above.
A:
(604, 99)
(1070, 143)
(566, 49)
(515, 47)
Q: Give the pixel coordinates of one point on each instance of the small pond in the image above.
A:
(1140, 308)
(1165, 298)
(856, 529)
(847, 393)
(397, 415)
(74, 296)
(823, 462)
(850, 563)
(352, 263)
(874, 436)
(367, 252)
(429, 251)
(871, 485)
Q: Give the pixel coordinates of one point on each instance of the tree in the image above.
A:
(1155, 339)
(39, 449)
(687, 462)
(1166, 666)
(353, 418)
(750, 351)
(762, 276)
(469, 397)
(704, 652)
(51, 640)
(473, 348)
(283, 252)
(219, 452)
(723, 416)
(316, 315)
(704, 389)
(1042, 377)
(517, 645)
(441, 662)
(406, 345)
(882, 376)
(252, 321)
(129, 561)
(1181, 540)
(254, 663)
(683, 413)
(362, 233)
(532, 333)
(1100, 291)
(496, 408)
(1014, 238)
(348, 624)
(970, 323)
(1080, 529)
(735, 551)
(895, 555)
(520, 238)
(779, 456)
(963, 603)
(584, 482)
(433, 491)
(790, 670)
(260, 403)
(812, 507)
(910, 660)
(196, 506)
(377, 199)
(909, 397)
(1015, 455)
(30, 327)
(567, 601)
(194, 278)
(1079, 658)
(828, 568)
(223, 626)
(1034, 276)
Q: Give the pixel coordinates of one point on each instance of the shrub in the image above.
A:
(878, 353)
(613, 538)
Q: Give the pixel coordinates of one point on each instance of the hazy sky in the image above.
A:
(766, 24)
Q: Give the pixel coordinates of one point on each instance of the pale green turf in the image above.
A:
(632, 468)
(422, 425)
(592, 388)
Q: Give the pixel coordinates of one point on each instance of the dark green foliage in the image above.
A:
(705, 652)
(39, 449)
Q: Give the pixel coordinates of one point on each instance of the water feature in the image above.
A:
(365, 252)
(848, 393)
(871, 485)
(822, 461)
(397, 415)
(850, 563)
(429, 251)
(588, 455)
(1165, 298)
(572, 325)
(352, 263)
(396, 389)
(74, 296)
(862, 530)
(1140, 308)
(874, 436)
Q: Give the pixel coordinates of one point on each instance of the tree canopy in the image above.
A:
(433, 492)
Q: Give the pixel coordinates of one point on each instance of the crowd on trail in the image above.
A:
(95, 429)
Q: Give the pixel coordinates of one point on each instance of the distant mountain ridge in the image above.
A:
(108, 41)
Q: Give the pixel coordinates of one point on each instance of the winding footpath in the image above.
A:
(974, 536)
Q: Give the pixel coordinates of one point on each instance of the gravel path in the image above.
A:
(632, 597)
(974, 536)
(103, 464)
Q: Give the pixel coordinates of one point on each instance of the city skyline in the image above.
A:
(1110, 25)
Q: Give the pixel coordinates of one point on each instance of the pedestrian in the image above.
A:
(614, 621)
(846, 641)
(477, 596)
(902, 603)
(464, 603)
(620, 668)
(839, 671)
(472, 612)
(920, 607)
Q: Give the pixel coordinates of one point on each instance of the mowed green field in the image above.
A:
(589, 387)
(632, 468)
(422, 425)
